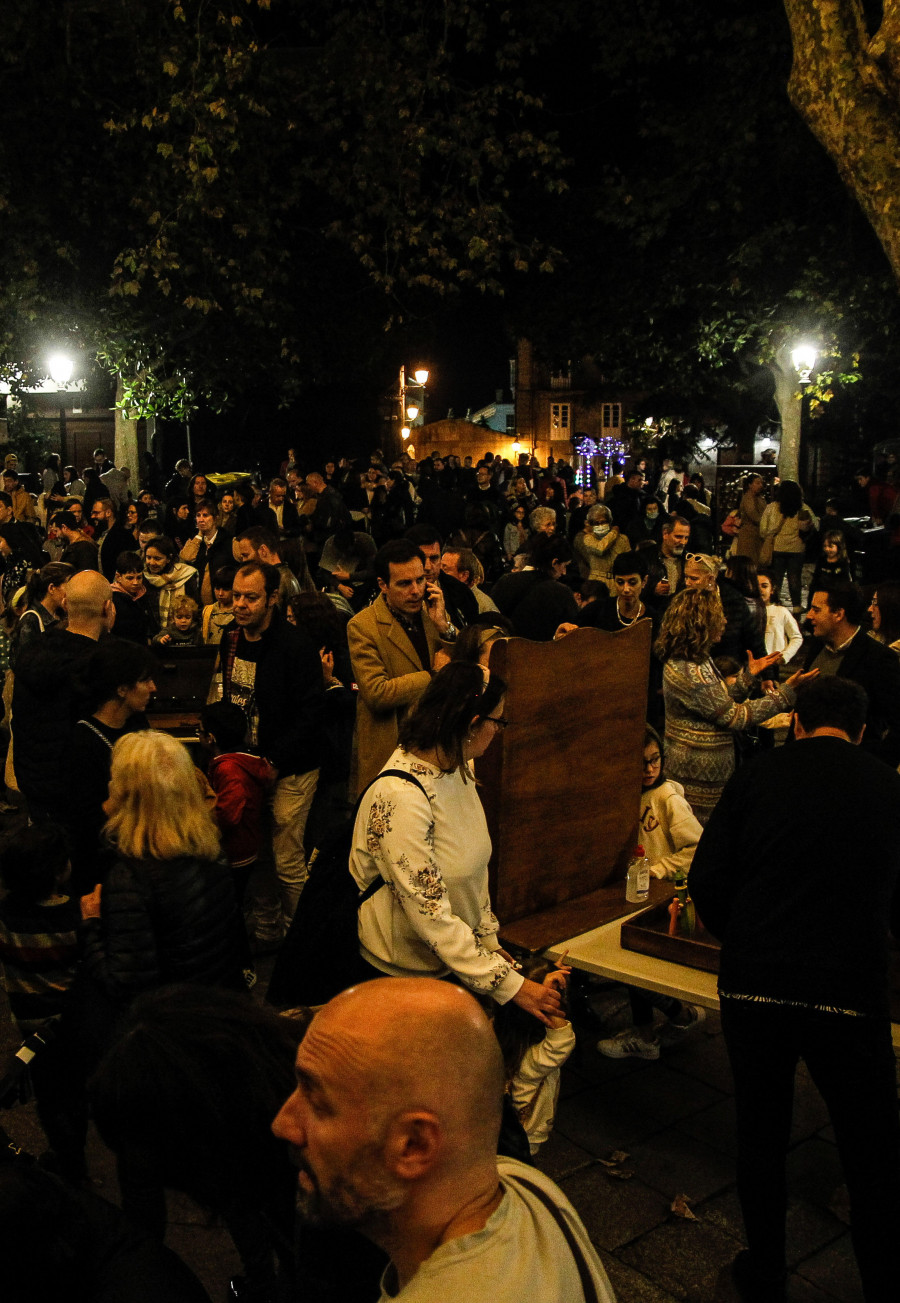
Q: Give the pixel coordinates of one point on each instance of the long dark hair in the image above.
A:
(789, 497)
(455, 696)
(196, 1078)
(887, 594)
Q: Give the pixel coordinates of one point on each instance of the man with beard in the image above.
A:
(394, 1127)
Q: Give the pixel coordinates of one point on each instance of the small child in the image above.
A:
(184, 630)
(129, 594)
(38, 958)
(218, 615)
(833, 566)
(669, 834)
(241, 782)
(533, 1055)
(782, 631)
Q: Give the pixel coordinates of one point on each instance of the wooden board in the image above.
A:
(561, 786)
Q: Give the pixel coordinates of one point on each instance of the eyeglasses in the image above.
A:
(499, 720)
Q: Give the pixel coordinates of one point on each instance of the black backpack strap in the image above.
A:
(588, 1285)
(378, 882)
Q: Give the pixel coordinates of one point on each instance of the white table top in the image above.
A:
(600, 951)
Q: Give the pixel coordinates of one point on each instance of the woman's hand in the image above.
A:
(90, 905)
(757, 667)
(543, 1002)
(800, 677)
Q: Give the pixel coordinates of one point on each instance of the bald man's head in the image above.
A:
(400, 1088)
(88, 599)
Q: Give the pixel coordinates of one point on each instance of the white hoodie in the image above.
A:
(669, 831)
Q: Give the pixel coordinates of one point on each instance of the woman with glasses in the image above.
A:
(421, 848)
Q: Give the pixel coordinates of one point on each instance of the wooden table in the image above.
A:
(599, 951)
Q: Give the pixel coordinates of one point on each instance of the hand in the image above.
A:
(559, 978)
(342, 575)
(543, 1002)
(662, 588)
(800, 677)
(441, 658)
(164, 637)
(327, 659)
(434, 605)
(563, 629)
(769, 685)
(345, 591)
(90, 905)
(757, 667)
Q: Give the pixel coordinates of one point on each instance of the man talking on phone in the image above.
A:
(396, 644)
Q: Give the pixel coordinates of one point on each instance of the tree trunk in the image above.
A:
(789, 409)
(846, 87)
(127, 451)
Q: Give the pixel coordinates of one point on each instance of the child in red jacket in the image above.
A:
(241, 782)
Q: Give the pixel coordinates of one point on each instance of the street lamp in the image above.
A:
(804, 359)
(413, 413)
(61, 366)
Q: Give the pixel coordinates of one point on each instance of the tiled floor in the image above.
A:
(673, 1119)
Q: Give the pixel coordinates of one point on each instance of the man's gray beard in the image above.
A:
(360, 1198)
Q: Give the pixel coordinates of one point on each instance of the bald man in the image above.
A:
(394, 1127)
(49, 694)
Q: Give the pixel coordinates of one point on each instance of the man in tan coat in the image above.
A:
(395, 646)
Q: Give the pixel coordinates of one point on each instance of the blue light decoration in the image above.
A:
(594, 458)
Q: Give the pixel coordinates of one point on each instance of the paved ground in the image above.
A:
(673, 1118)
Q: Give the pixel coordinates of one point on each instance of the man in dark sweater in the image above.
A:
(803, 906)
(844, 649)
(533, 598)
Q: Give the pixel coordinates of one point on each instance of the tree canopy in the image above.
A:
(200, 192)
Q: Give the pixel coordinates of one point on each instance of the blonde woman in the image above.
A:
(166, 912)
(702, 711)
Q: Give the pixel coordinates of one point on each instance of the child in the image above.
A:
(533, 1056)
(218, 616)
(129, 594)
(184, 631)
(241, 782)
(669, 833)
(38, 957)
(782, 631)
(833, 566)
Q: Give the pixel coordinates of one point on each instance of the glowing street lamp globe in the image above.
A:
(61, 367)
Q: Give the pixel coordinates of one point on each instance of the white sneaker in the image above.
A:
(628, 1045)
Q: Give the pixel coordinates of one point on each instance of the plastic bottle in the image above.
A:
(637, 881)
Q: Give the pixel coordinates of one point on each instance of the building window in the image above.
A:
(559, 420)
(612, 416)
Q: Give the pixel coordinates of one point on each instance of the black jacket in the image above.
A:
(796, 873)
(49, 695)
(290, 695)
(164, 921)
(536, 603)
(112, 544)
(877, 670)
(743, 633)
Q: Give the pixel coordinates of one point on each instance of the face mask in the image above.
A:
(600, 531)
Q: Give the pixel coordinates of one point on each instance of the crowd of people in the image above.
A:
(351, 611)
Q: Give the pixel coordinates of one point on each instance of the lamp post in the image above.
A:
(411, 413)
(61, 366)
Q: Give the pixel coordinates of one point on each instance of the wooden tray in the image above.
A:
(648, 933)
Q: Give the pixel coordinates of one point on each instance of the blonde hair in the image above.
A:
(157, 808)
(693, 622)
(184, 606)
